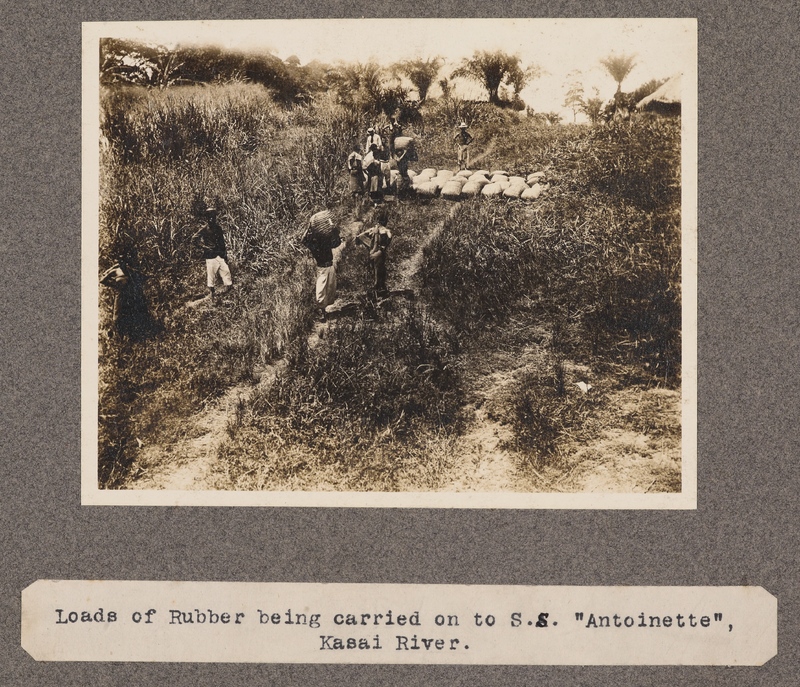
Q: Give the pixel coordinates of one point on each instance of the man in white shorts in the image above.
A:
(211, 241)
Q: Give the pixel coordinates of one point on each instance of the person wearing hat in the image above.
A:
(131, 318)
(211, 241)
(374, 139)
(463, 138)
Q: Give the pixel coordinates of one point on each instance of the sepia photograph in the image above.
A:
(326, 266)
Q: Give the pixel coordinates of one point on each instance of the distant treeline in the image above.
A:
(124, 61)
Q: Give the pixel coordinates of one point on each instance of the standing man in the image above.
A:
(211, 241)
(356, 171)
(375, 176)
(374, 139)
(321, 237)
(377, 239)
(463, 138)
(131, 318)
(395, 130)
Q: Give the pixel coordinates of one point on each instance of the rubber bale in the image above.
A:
(403, 142)
(471, 188)
(428, 189)
(452, 190)
(491, 190)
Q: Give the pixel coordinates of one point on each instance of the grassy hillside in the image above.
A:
(582, 284)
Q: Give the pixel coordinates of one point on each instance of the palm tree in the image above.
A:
(421, 73)
(619, 66)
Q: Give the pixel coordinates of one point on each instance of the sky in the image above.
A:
(663, 47)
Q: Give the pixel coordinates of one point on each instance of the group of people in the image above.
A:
(321, 241)
(370, 172)
(370, 168)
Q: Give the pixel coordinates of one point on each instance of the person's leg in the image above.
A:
(211, 276)
(225, 274)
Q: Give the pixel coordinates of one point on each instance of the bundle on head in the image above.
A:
(322, 225)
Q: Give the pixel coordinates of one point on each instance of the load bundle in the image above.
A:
(501, 172)
(491, 190)
(515, 190)
(452, 188)
(473, 188)
(465, 173)
(532, 193)
(534, 177)
(322, 225)
(498, 177)
(427, 188)
(429, 172)
(516, 180)
(406, 143)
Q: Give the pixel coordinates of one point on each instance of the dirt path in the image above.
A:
(187, 464)
(623, 459)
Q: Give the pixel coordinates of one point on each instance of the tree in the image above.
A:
(646, 89)
(618, 67)
(421, 73)
(575, 92)
(493, 69)
(593, 107)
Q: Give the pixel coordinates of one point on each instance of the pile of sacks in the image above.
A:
(468, 184)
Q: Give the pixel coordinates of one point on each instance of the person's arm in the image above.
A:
(361, 236)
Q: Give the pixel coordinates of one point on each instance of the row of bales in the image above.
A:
(466, 183)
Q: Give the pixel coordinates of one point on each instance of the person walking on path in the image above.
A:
(356, 171)
(321, 237)
(211, 241)
(463, 138)
(375, 176)
(376, 239)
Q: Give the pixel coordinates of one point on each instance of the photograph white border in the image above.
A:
(92, 495)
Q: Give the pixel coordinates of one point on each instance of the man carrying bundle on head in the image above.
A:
(463, 138)
(321, 237)
(376, 239)
(211, 241)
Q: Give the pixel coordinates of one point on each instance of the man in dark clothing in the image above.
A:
(131, 317)
(321, 237)
(377, 239)
(211, 241)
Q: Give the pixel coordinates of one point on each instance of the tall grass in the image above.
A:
(359, 407)
(605, 266)
(267, 168)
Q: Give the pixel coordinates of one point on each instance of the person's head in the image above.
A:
(462, 126)
(373, 147)
(382, 216)
(371, 130)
